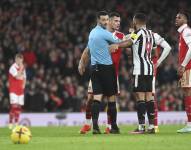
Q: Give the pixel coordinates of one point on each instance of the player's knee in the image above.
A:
(14, 105)
(112, 98)
(139, 96)
(149, 96)
(90, 97)
(97, 97)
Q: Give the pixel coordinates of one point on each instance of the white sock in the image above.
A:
(189, 124)
(141, 126)
(108, 126)
(151, 126)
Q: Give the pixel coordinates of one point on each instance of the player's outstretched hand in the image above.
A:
(113, 48)
(181, 70)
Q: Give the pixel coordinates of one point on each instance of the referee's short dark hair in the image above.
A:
(114, 14)
(141, 17)
(101, 13)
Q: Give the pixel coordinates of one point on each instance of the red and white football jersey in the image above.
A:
(184, 40)
(16, 85)
(158, 40)
(117, 54)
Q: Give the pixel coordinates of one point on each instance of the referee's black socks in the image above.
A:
(150, 111)
(95, 113)
(141, 110)
(112, 112)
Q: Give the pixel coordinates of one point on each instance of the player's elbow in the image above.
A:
(189, 46)
(166, 46)
(169, 48)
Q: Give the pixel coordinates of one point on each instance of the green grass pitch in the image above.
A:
(68, 138)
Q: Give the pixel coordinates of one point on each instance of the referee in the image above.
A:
(103, 76)
(142, 42)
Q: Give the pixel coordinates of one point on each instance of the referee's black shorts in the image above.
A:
(143, 83)
(104, 80)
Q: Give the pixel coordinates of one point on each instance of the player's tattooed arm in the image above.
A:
(83, 61)
(124, 44)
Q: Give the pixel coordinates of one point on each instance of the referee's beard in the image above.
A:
(103, 26)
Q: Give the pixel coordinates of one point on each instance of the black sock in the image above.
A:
(141, 110)
(112, 110)
(95, 113)
(150, 111)
(88, 109)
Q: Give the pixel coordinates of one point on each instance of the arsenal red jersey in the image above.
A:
(184, 40)
(158, 40)
(155, 59)
(16, 85)
(116, 55)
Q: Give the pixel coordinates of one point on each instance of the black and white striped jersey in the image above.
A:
(143, 44)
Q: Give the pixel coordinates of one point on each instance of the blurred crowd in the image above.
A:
(52, 34)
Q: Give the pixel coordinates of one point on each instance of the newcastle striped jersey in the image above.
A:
(143, 44)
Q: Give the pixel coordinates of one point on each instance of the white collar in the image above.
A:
(182, 27)
(17, 66)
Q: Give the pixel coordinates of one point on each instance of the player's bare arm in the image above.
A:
(181, 68)
(83, 61)
(24, 83)
(24, 78)
(166, 50)
(123, 44)
(20, 73)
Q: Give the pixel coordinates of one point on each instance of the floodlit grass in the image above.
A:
(68, 138)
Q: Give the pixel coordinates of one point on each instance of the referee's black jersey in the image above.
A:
(143, 44)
